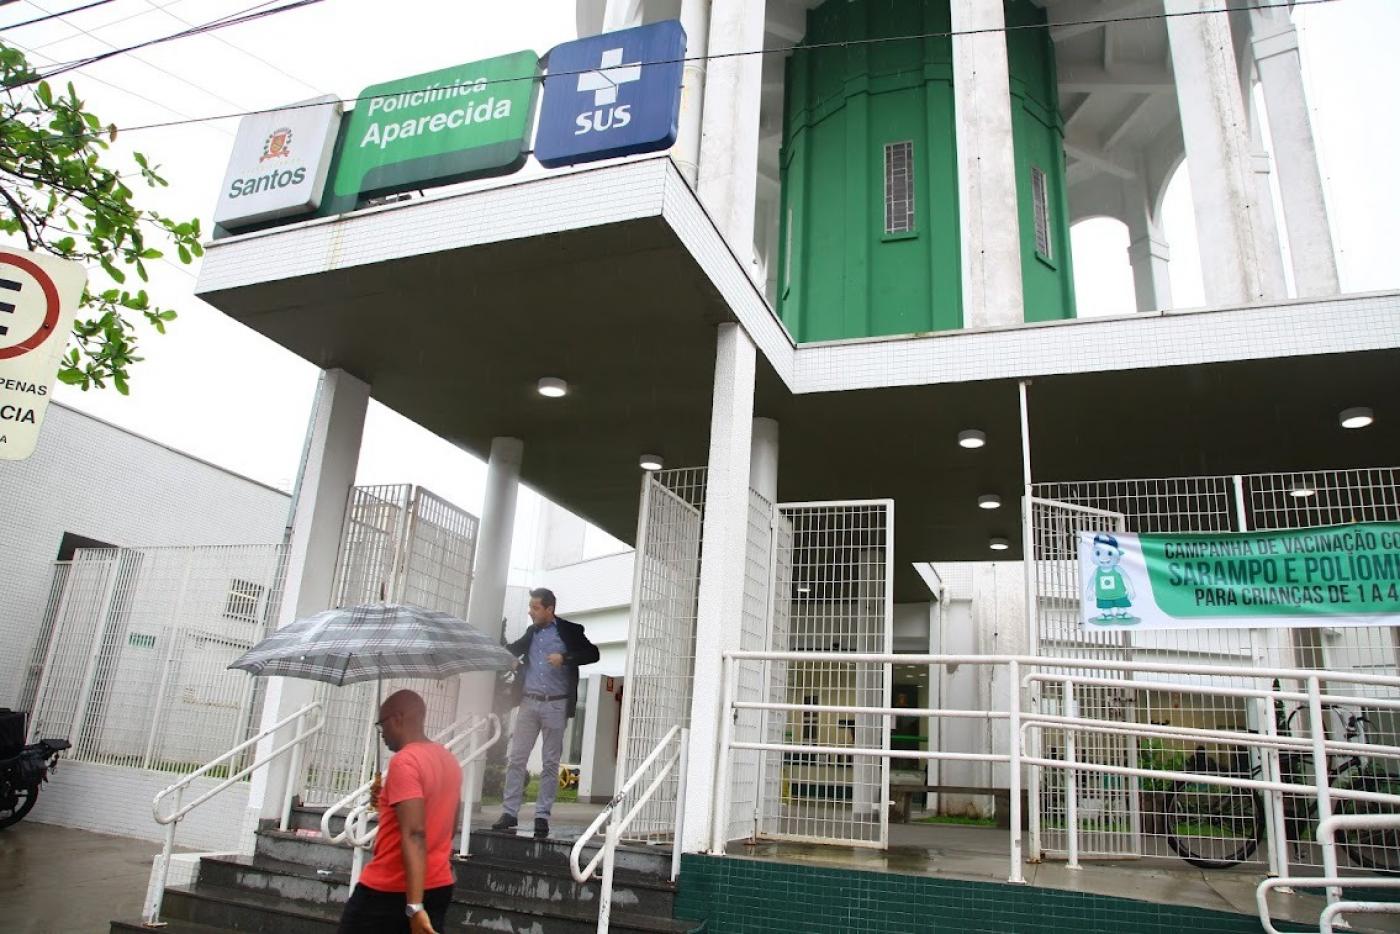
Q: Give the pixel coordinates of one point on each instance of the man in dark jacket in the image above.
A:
(546, 684)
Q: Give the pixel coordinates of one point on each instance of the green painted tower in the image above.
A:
(869, 231)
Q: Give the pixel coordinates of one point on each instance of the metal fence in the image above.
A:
(403, 544)
(833, 594)
(661, 638)
(138, 642)
(1120, 815)
(52, 607)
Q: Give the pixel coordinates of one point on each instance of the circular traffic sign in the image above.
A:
(46, 324)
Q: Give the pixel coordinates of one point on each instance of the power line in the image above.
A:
(48, 16)
(234, 46)
(146, 62)
(189, 120)
(1104, 21)
(112, 22)
(248, 15)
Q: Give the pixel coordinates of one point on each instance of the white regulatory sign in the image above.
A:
(38, 297)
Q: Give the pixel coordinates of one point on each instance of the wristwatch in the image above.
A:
(411, 909)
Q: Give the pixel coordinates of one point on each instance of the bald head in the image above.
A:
(401, 719)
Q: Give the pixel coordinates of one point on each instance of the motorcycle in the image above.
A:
(23, 768)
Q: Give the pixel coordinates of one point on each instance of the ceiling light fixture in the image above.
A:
(972, 438)
(999, 544)
(989, 501)
(651, 462)
(1302, 491)
(1358, 417)
(552, 387)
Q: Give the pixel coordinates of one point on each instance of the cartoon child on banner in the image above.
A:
(1109, 588)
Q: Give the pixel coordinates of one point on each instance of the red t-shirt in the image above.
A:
(418, 770)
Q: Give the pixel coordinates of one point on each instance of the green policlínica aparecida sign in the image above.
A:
(1346, 575)
(451, 125)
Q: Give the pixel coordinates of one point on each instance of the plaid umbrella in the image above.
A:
(374, 641)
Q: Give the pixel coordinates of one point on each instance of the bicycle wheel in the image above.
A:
(1212, 826)
(1373, 849)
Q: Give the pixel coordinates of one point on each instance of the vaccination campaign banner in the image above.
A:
(1346, 575)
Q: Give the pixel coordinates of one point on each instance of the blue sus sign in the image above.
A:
(615, 94)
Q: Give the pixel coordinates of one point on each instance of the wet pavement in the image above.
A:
(54, 879)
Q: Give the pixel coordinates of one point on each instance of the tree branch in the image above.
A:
(20, 216)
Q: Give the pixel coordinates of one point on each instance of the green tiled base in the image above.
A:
(740, 895)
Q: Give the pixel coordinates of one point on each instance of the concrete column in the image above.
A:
(723, 553)
(491, 570)
(1148, 252)
(1300, 180)
(991, 227)
(1270, 245)
(763, 459)
(695, 20)
(728, 172)
(621, 14)
(1216, 132)
(316, 527)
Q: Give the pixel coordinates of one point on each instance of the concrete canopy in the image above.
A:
(453, 308)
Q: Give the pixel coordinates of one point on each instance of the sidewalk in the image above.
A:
(53, 879)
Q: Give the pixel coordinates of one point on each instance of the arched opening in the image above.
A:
(1178, 214)
(1103, 277)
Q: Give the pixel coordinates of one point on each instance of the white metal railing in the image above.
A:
(618, 822)
(357, 830)
(155, 893)
(1026, 671)
(1330, 918)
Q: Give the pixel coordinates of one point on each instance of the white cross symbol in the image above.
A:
(611, 72)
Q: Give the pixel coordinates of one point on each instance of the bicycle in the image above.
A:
(1218, 826)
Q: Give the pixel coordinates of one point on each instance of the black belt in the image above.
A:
(545, 697)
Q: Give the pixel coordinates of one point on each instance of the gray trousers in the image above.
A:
(533, 718)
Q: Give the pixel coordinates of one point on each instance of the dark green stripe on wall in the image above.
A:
(746, 895)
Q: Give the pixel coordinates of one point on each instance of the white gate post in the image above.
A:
(724, 539)
(317, 526)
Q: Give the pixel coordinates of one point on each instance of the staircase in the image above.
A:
(297, 882)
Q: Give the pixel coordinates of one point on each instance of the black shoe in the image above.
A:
(541, 828)
(504, 822)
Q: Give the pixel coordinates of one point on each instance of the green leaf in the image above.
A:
(167, 315)
(119, 381)
(112, 270)
(71, 375)
(44, 93)
(183, 253)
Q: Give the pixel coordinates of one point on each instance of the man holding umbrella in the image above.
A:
(407, 886)
(547, 692)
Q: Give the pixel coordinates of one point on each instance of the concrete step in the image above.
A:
(170, 927)
(520, 847)
(303, 817)
(288, 846)
(553, 885)
(514, 916)
(238, 910)
(274, 878)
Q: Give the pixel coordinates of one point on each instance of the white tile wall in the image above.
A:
(94, 479)
(107, 799)
(413, 228)
(651, 187)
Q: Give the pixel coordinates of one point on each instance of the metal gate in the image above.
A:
(832, 592)
(134, 671)
(403, 544)
(1256, 502)
(661, 637)
(1106, 804)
